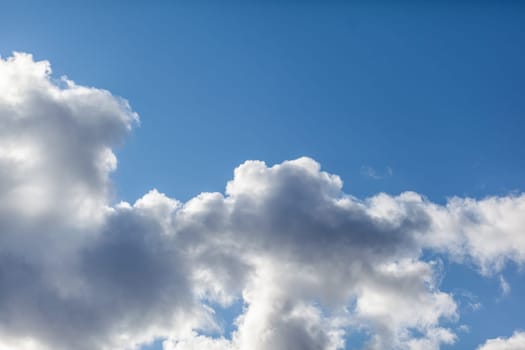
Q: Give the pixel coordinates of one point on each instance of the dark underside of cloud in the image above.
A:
(309, 263)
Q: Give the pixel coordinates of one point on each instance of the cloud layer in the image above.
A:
(310, 264)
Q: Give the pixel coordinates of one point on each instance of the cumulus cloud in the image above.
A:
(515, 342)
(309, 262)
(487, 232)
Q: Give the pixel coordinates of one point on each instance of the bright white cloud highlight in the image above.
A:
(309, 262)
(515, 342)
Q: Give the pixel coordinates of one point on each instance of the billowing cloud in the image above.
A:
(309, 263)
(487, 232)
(515, 342)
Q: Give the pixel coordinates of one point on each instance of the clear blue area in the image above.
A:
(226, 317)
(157, 345)
(433, 91)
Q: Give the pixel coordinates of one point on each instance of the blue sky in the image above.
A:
(392, 97)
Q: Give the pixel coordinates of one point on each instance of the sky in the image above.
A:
(262, 175)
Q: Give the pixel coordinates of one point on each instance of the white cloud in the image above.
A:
(488, 232)
(372, 173)
(515, 342)
(309, 261)
(504, 286)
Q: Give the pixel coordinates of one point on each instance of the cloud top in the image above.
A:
(515, 342)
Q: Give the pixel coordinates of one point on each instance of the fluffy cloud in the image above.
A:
(515, 342)
(487, 232)
(309, 263)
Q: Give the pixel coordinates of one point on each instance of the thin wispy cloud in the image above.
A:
(504, 286)
(370, 172)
